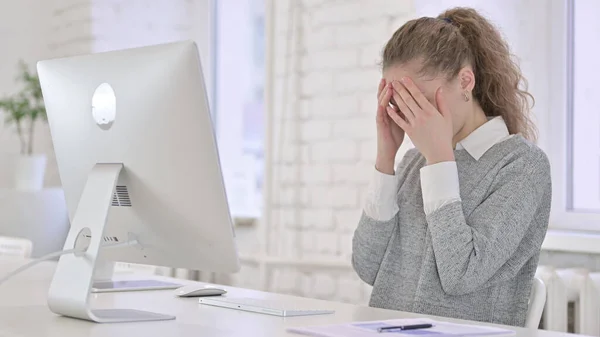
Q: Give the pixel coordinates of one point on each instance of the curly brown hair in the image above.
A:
(460, 37)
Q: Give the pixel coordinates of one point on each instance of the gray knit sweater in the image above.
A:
(472, 259)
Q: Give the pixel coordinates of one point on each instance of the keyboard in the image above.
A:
(261, 306)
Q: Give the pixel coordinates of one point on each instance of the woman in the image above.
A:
(456, 229)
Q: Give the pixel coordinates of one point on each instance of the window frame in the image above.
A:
(561, 122)
(244, 214)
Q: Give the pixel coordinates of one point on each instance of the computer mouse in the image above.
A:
(198, 290)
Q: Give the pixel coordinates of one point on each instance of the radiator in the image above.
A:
(575, 289)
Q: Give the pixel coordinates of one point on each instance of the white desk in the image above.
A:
(24, 313)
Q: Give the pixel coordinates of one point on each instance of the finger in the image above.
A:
(385, 97)
(397, 105)
(381, 86)
(417, 95)
(397, 119)
(407, 98)
(383, 90)
(381, 94)
(381, 115)
(441, 104)
(409, 116)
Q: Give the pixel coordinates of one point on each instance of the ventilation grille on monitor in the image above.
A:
(121, 197)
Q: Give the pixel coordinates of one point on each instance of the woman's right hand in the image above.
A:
(389, 134)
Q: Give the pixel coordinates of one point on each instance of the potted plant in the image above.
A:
(22, 111)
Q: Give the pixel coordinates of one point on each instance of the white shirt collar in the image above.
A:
(484, 137)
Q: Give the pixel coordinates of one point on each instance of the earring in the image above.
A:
(465, 96)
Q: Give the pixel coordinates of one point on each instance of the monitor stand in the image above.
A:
(69, 293)
(107, 278)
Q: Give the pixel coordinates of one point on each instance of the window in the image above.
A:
(239, 44)
(583, 109)
(575, 118)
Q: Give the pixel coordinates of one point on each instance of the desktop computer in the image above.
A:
(138, 162)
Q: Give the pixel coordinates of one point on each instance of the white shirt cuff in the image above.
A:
(381, 203)
(440, 186)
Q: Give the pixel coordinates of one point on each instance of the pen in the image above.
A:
(405, 327)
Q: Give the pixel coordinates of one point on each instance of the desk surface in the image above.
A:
(24, 313)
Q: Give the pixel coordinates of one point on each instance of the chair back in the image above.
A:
(537, 301)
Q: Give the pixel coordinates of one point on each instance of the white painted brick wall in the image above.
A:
(335, 55)
(345, 220)
(355, 128)
(316, 82)
(329, 108)
(357, 81)
(330, 151)
(315, 130)
(315, 174)
(330, 59)
(317, 219)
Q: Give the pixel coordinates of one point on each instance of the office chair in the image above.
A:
(537, 301)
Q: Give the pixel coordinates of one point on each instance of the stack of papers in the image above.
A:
(365, 329)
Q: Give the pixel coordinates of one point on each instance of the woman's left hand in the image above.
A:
(429, 127)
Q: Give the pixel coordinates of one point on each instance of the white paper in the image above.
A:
(366, 329)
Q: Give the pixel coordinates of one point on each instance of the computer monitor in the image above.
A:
(138, 162)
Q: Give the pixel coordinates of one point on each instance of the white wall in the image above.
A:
(25, 29)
